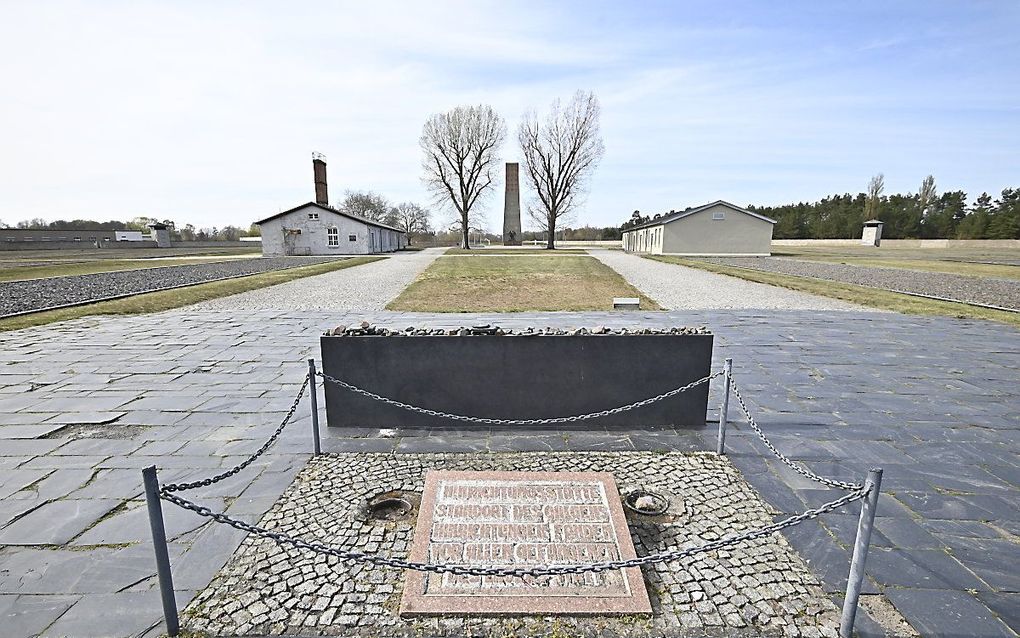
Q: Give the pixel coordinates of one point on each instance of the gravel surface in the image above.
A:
(680, 288)
(993, 291)
(36, 294)
(366, 287)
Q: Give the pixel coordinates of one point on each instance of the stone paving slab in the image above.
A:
(933, 398)
(31, 615)
(56, 522)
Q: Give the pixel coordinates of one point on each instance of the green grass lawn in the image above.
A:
(516, 284)
(514, 251)
(957, 261)
(861, 295)
(168, 299)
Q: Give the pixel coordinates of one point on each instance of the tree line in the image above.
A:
(926, 214)
(413, 219)
(922, 215)
(188, 232)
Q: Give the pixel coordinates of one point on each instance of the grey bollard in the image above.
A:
(315, 407)
(166, 581)
(855, 581)
(720, 447)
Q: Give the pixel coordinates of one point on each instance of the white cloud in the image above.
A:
(207, 113)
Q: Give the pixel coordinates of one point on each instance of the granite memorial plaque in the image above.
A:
(521, 519)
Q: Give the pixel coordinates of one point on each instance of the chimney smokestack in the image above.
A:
(319, 168)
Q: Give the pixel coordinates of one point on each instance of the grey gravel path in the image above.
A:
(680, 288)
(366, 287)
(36, 294)
(993, 291)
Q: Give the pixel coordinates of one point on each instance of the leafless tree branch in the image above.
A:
(560, 155)
(460, 159)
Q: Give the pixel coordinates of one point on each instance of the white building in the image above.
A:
(129, 235)
(719, 228)
(314, 229)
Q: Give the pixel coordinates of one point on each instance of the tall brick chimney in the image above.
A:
(319, 168)
(512, 207)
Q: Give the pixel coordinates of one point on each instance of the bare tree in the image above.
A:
(365, 204)
(411, 218)
(875, 187)
(560, 154)
(926, 196)
(460, 161)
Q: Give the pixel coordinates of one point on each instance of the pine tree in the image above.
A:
(975, 224)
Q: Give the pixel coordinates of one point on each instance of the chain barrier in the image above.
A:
(180, 487)
(542, 570)
(800, 469)
(474, 419)
(167, 493)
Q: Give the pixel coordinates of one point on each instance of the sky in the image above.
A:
(208, 112)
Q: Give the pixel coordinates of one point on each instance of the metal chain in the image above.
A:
(562, 419)
(542, 570)
(800, 469)
(855, 492)
(180, 487)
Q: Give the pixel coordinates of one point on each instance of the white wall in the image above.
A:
(313, 238)
(701, 233)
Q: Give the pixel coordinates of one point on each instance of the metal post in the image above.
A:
(720, 447)
(855, 580)
(315, 406)
(166, 581)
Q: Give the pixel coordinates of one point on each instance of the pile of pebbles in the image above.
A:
(365, 329)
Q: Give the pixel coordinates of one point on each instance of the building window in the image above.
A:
(333, 237)
(718, 216)
(313, 216)
(352, 238)
(77, 239)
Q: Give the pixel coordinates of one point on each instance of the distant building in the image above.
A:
(872, 233)
(40, 235)
(719, 228)
(316, 229)
(160, 233)
(129, 235)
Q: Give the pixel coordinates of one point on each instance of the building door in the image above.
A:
(375, 242)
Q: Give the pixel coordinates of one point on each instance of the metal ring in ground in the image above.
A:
(646, 503)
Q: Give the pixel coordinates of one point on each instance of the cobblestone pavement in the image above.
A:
(365, 287)
(994, 291)
(680, 288)
(755, 588)
(35, 294)
(85, 404)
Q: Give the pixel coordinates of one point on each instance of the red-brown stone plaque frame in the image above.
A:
(522, 519)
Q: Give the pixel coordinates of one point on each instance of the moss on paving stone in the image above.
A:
(753, 588)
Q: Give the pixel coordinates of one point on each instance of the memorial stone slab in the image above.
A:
(522, 519)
